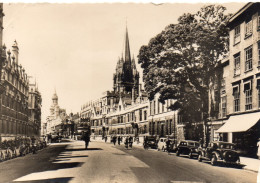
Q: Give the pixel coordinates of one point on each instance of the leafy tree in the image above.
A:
(180, 62)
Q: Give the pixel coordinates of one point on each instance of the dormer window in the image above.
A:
(237, 36)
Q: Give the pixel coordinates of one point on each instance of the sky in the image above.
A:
(73, 48)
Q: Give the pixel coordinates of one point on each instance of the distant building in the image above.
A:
(57, 115)
(125, 110)
(240, 90)
(35, 104)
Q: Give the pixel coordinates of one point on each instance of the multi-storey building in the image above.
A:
(35, 103)
(14, 106)
(56, 117)
(163, 121)
(126, 109)
(240, 92)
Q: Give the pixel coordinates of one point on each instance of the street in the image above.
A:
(104, 162)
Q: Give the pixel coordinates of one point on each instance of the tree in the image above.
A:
(180, 62)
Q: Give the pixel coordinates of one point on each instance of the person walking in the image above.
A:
(118, 140)
(114, 140)
(168, 144)
(131, 142)
(126, 142)
(86, 138)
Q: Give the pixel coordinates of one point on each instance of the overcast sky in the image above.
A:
(75, 47)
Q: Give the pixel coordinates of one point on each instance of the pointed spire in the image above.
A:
(127, 48)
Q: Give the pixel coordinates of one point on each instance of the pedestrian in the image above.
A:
(126, 142)
(130, 142)
(86, 138)
(118, 140)
(168, 143)
(258, 148)
(114, 140)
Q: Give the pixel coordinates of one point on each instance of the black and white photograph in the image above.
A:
(129, 92)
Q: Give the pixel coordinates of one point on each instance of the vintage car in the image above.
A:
(188, 147)
(218, 151)
(162, 145)
(150, 142)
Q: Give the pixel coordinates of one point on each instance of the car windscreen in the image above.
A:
(194, 144)
(226, 146)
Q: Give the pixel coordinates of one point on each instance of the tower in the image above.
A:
(126, 78)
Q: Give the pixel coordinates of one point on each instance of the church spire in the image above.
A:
(127, 48)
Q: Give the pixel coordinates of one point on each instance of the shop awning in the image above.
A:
(240, 123)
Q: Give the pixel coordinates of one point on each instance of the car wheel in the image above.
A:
(190, 155)
(199, 158)
(213, 160)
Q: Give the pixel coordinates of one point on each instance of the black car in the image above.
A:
(218, 151)
(151, 142)
(188, 147)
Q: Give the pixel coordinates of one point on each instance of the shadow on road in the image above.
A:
(83, 149)
(226, 165)
(54, 180)
(62, 157)
(57, 166)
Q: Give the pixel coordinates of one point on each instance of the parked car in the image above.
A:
(188, 147)
(162, 145)
(150, 142)
(218, 151)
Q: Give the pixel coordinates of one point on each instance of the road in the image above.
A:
(104, 162)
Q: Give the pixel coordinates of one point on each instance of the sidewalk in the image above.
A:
(250, 164)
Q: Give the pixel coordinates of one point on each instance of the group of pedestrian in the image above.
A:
(129, 142)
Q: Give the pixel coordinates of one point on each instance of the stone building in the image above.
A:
(35, 104)
(56, 117)
(240, 91)
(14, 107)
(126, 110)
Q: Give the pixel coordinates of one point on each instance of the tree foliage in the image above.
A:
(179, 63)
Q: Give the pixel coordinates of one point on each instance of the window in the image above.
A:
(248, 55)
(150, 108)
(248, 93)
(258, 53)
(154, 106)
(140, 115)
(224, 106)
(158, 106)
(237, 34)
(237, 64)
(236, 94)
(223, 86)
(145, 115)
(258, 88)
(248, 27)
(258, 20)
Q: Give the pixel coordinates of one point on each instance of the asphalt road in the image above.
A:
(70, 162)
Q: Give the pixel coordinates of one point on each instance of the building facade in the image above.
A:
(240, 92)
(127, 111)
(56, 117)
(35, 104)
(14, 103)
